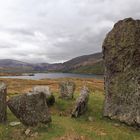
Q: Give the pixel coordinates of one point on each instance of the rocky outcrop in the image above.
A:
(50, 99)
(121, 49)
(81, 103)
(3, 104)
(67, 89)
(30, 108)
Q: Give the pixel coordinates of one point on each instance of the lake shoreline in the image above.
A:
(22, 74)
(39, 76)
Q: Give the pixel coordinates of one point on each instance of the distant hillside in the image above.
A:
(90, 64)
(12, 63)
(97, 68)
(9, 65)
(84, 60)
(85, 64)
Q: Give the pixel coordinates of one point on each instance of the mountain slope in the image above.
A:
(91, 64)
(12, 63)
(83, 64)
(97, 68)
(14, 66)
(84, 60)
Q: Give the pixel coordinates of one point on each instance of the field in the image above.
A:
(63, 127)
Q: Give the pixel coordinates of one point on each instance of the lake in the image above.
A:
(38, 76)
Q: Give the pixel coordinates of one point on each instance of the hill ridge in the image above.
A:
(86, 62)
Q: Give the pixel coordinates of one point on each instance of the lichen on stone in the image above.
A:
(121, 50)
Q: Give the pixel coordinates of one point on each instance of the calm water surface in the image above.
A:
(38, 76)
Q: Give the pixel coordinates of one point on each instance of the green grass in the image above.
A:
(99, 129)
(97, 68)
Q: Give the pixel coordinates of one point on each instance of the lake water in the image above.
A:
(39, 76)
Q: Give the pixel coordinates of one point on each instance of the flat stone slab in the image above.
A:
(14, 123)
(42, 89)
(50, 99)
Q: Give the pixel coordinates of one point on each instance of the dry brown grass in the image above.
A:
(72, 136)
(19, 86)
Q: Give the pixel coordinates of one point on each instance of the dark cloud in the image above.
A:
(58, 30)
(21, 31)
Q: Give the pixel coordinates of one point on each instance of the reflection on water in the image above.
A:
(38, 76)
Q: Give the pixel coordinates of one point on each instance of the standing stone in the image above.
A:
(81, 103)
(121, 49)
(67, 89)
(3, 105)
(50, 99)
(30, 108)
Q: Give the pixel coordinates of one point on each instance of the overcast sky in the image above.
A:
(58, 30)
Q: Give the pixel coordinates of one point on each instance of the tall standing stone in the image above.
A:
(3, 106)
(81, 103)
(67, 89)
(121, 49)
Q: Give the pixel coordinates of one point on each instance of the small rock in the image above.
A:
(60, 114)
(34, 134)
(102, 134)
(27, 132)
(90, 119)
(116, 124)
(14, 123)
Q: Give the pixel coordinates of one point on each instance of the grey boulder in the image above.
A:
(30, 108)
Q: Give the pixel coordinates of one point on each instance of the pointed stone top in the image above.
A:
(126, 21)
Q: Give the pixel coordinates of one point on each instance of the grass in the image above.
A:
(97, 68)
(63, 125)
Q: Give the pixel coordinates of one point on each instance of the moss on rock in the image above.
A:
(121, 49)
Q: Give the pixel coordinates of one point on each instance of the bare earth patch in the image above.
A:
(72, 136)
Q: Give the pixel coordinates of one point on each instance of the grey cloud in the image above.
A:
(21, 31)
(55, 31)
